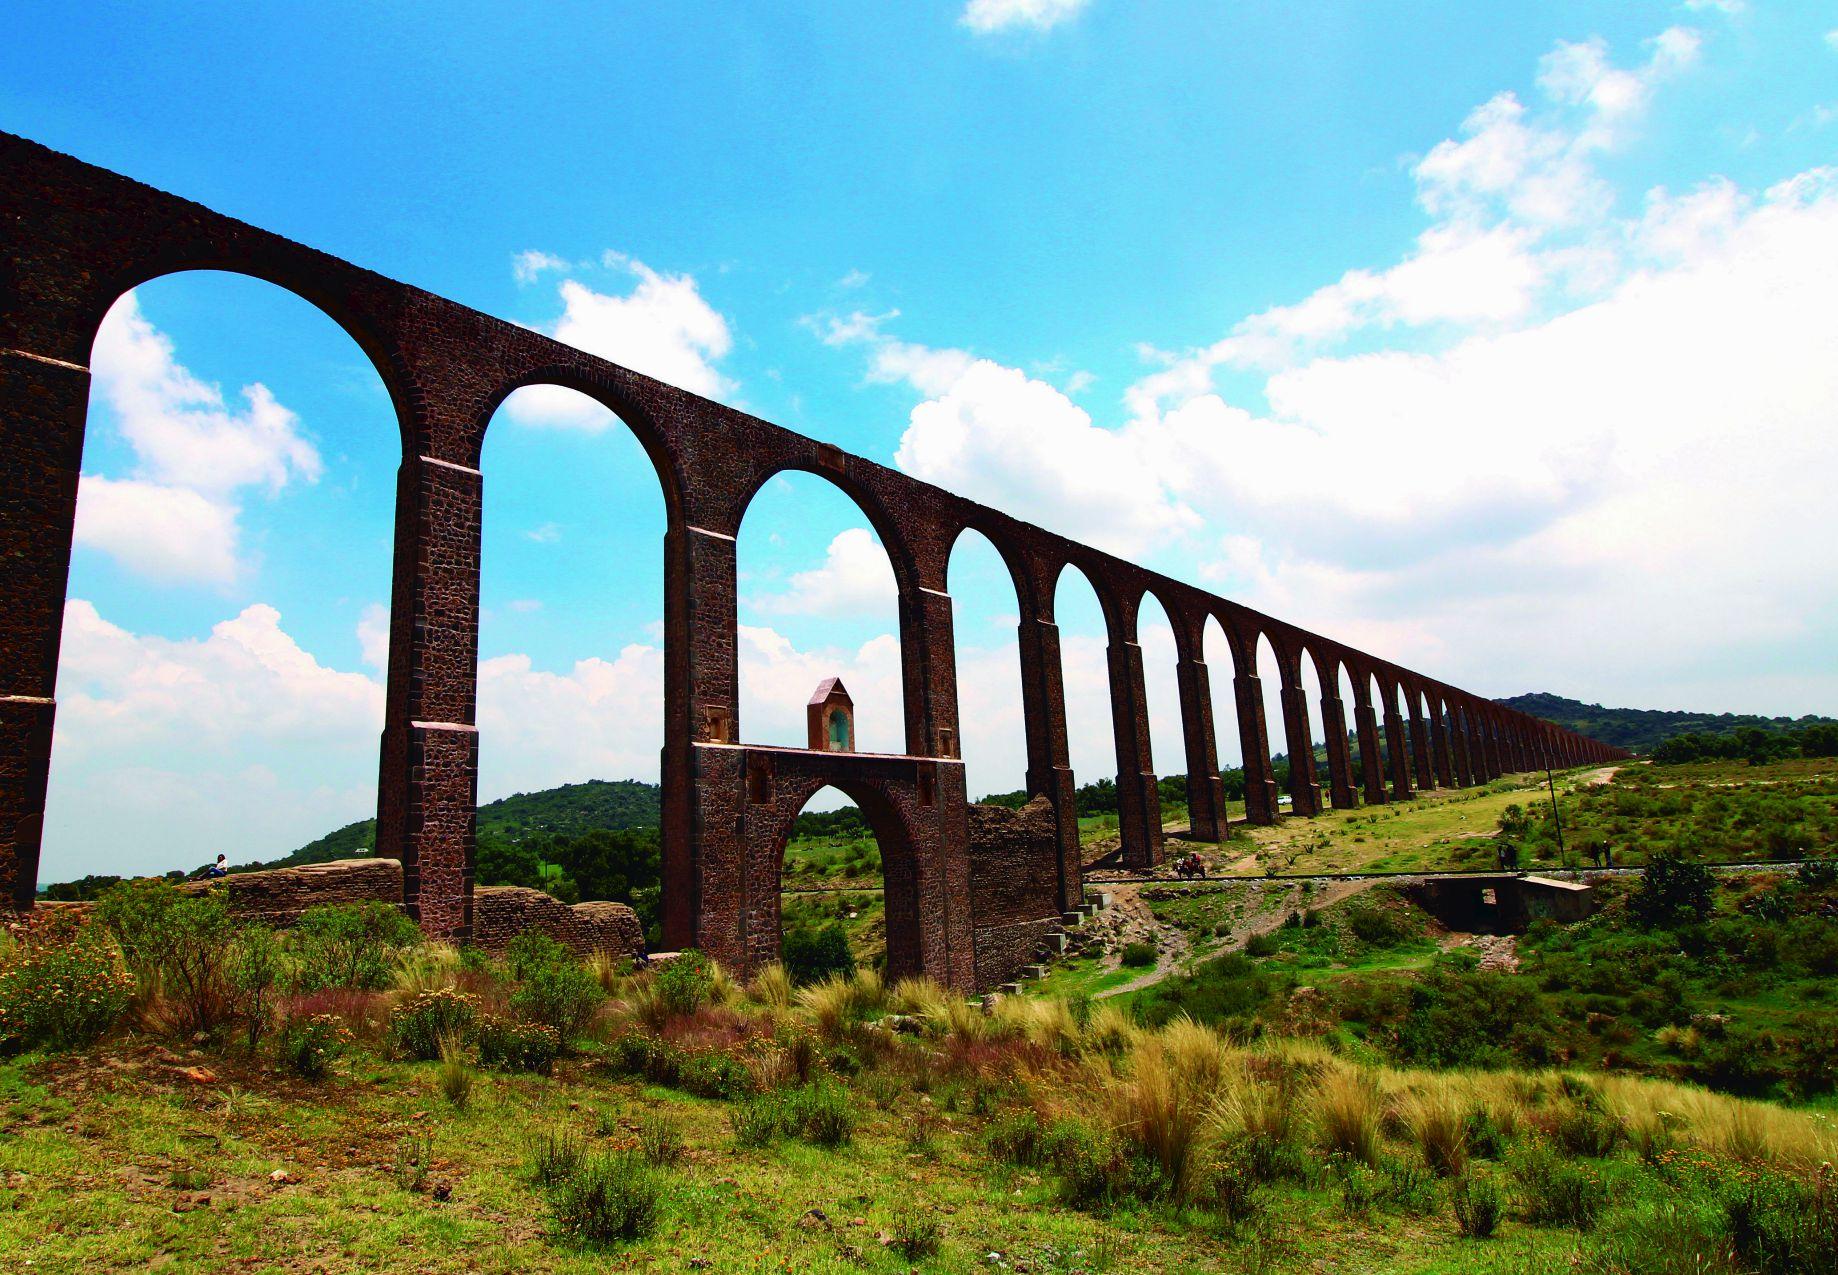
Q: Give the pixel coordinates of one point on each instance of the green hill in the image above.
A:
(1642, 730)
(567, 811)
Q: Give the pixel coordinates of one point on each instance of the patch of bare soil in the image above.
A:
(1497, 951)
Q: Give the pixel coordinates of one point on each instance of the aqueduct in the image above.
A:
(76, 237)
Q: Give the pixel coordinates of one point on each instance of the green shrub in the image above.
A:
(531, 951)
(660, 1139)
(1229, 1188)
(757, 1120)
(1378, 927)
(915, 1234)
(1553, 1191)
(712, 1073)
(554, 1156)
(563, 995)
(1016, 1138)
(1484, 1137)
(309, 1045)
(820, 1113)
(1779, 1225)
(421, 1027)
(1583, 1129)
(1136, 955)
(685, 984)
(1264, 944)
(505, 1044)
(456, 1077)
(811, 955)
(255, 969)
(62, 988)
(177, 942)
(350, 944)
(1477, 1205)
(1088, 1162)
(1408, 1187)
(1673, 891)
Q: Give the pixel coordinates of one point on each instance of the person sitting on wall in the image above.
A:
(221, 868)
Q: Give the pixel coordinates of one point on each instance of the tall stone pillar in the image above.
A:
(43, 402)
(1458, 744)
(1371, 757)
(1441, 761)
(1205, 789)
(1339, 755)
(427, 774)
(1420, 743)
(1049, 769)
(1139, 816)
(704, 814)
(1304, 785)
(1397, 749)
(1260, 804)
(928, 667)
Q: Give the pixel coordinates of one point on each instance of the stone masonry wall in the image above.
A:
(1014, 885)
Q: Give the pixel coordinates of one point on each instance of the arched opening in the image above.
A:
(985, 613)
(1276, 726)
(1162, 693)
(1381, 735)
(1350, 708)
(1084, 644)
(225, 636)
(571, 659)
(816, 599)
(1222, 670)
(847, 898)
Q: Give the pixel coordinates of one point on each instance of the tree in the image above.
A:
(608, 864)
(1673, 891)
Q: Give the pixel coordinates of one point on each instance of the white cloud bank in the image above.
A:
(663, 328)
(1572, 447)
(174, 519)
(988, 17)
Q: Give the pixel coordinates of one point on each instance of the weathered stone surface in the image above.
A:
(278, 896)
(501, 912)
(1014, 886)
(74, 237)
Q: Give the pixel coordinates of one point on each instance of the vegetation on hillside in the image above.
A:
(672, 1118)
(1642, 730)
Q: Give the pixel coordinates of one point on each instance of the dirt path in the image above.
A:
(1172, 946)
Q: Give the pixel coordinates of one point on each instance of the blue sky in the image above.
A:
(1494, 338)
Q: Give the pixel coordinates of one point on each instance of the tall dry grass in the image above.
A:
(1348, 1113)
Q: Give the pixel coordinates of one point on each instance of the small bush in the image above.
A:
(1410, 1188)
(177, 943)
(1137, 955)
(713, 1073)
(1477, 1205)
(1088, 1162)
(758, 1120)
(350, 944)
(813, 954)
(554, 1156)
(420, 1027)
(660, 1139)
(1778, 1225)
(530, 951)
(1554, 1191)
(1264, 944)
(505, 1044)
(255, 968)
(914, 1234)
(414, 1158)
(1583, 1129)
(62, 988)
(1484, 1136)
(1229, 1189)
(562, 995)
(308, 1045)
(685, 984)
(1016, 1138)
(456, 1076)
(820, 1114)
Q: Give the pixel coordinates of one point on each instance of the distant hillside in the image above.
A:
(1642, 730)
(567, 811)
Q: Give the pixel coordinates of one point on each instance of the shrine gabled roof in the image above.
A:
(832, 688)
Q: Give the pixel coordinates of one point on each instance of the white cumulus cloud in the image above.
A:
(986, 17)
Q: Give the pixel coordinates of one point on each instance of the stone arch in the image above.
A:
(598, 589)
(883, 717)
(970, 568)
(893, 813)
(345, 760)
(601, 391)
(888, 528)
